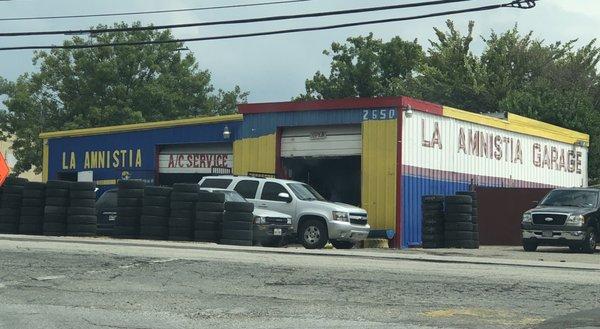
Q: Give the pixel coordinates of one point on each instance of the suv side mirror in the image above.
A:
(535, 203)
(285, 197)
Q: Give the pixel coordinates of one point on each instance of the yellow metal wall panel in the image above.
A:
(254, 155)
(379, 172)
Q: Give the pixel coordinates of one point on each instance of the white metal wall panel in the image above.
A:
(320, 141)
(449, 149)
(194, 158)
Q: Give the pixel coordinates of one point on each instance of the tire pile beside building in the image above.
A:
(237, 223)
(129, 209)
(32, 209)
(474, 217)
(81, 219)
(154, 222)
(10, 205)
(433, 221)
(183, 208)
(458, 222)
(209, 216)
(55, 207)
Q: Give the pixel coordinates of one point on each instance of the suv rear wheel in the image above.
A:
(313, 234)
(590, 241)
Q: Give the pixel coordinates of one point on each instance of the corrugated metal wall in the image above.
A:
(254, 155)
(379, 172)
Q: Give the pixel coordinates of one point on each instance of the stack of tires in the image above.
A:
(32, 209)
(10, 205)
(129, 209)
(81, 219)
(474, 217)
(183, 206)
(209, 215)
(55, 209)
(433, 221)
(237, 223)
(154, 223)
(458, 222)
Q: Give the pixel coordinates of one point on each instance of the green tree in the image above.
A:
(81, 88)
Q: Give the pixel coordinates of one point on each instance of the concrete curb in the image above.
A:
(362, 254)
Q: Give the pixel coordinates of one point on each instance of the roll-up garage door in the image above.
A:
(321, 141)
(194, 158)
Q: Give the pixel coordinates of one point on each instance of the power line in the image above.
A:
(256, 4)
(523, 4)
(237, 21)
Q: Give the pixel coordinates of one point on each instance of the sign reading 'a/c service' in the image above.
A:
(196, 163)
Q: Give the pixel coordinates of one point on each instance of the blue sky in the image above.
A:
(274, 68)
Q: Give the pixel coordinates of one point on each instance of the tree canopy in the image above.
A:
(81, 88)
(554, 82)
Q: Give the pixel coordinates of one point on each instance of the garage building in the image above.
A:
(382, 154)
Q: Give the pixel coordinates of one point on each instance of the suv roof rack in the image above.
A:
(261, 175)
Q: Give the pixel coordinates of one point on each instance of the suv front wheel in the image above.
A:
(590, 241)
(313, 234)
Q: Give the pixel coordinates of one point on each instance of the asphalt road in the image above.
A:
(72, 285)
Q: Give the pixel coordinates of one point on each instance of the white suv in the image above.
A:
(314, 219)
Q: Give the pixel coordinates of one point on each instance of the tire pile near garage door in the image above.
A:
(154, 223)
(55, 209)
(183, 208)
(237, 223)
(209, 216)
(129, 209)
(32, 209)
(459, 222)
(433, 221)
(474, 213)
(10, 205)
(82, 220)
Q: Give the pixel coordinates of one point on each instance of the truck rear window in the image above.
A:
(216, 183)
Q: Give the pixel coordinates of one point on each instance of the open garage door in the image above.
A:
(328, 158)
(188, 163)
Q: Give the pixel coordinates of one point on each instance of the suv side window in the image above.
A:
(247, 188)
(271, 191)
(216, 183)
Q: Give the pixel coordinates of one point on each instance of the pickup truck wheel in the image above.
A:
(591, 239)
(529, 246)
(575, 248)
(342, 244)
(313, 234)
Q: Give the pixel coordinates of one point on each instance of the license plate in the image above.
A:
(547, 234)
(277, 231)
(112, 217)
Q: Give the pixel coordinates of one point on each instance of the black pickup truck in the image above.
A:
(565, 217)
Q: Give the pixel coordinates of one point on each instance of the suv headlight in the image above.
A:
(259, 220)
(575, 220)
(289, 221)
(341, 216)
(527, 218)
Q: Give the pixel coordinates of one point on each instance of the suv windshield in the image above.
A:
(571, 198)
(305, 192)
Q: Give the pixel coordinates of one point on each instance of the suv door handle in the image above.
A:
(262, 205)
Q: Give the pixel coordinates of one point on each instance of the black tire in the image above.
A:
(83, 186)
(182, 205)
(209, 216)
(472, 194)
(182, 213)
(154, 221)
(207, 226)
(157, 191)
(130, 184)
(129, 211)
(12, 180)
(184, 223)
(575, 248)
(57, 201)
(186, 188)
(10, 212)
(231, 216)
(58, 184)
(529, 246)
(154, 231)
(126, 232)
(207, 236)
(180, 232)
(30, 229)
(54, 228)
(33, 203)
(78, 194)
(459, 209)
(433, 237)
(458, 226)
(237, 226)
(209, 207)
(55, 210)
(87, 203)
(205, 196)
(81, 220)
(313, 234)
(458, 200)
(9, 228)
(31, 220)
(475, 227)
(32, 211)
(11, 201)
(130, 193)
(433, 214)
(86, 211)
(13, 189)
(237, 235)
(55, 218)
(35, 186)
(156, 211)
(158, 201)
(127, 221)
(33, 194)
(184, 196)
(432, 199)
(9, 219)
(458, 235)
(81, 228)
(433, 245)
(246, 207)
(463, 244)
(129, 202)
(342, 244)
(236, 242)
(432, 207)
(458, 218)
(439, 229)
(590, 242)
(432, 222)
(57, 193)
